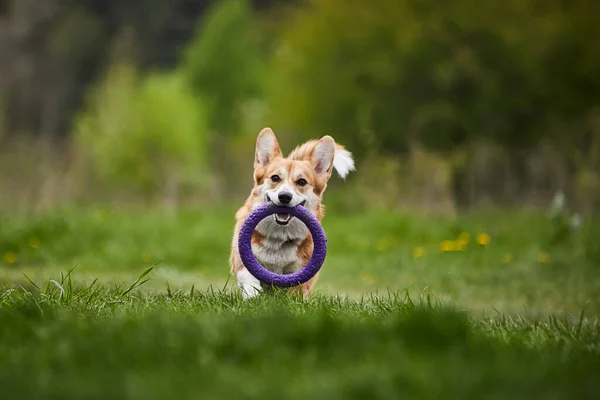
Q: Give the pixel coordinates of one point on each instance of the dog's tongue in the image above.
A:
(283, 216)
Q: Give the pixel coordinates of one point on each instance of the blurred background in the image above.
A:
(446, 106)
(450, 108)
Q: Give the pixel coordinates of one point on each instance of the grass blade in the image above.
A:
(32, 282)
(138, 282)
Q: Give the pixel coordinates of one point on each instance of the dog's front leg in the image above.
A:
(249, 285)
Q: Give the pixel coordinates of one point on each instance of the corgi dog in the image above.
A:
(282, 243)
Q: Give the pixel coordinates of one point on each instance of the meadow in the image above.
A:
(138, 304)
(127, 127)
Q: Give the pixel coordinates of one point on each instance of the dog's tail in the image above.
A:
(343, 162)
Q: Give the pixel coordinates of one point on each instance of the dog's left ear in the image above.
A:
(322, 156)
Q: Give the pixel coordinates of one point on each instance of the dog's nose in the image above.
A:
(285, 197)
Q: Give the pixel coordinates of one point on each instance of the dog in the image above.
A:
(282, 243)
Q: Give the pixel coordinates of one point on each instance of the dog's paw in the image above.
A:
(249, 292)
(249, 285)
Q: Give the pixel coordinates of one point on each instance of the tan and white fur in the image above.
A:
(281, 243)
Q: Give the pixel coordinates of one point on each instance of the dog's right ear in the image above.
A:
(267, 148)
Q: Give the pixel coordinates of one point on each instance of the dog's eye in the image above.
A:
(301, 182)
(275, 178)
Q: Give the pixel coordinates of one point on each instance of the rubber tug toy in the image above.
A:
(280, 280)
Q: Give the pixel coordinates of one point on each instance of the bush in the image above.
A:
(390, 73)
(223, 64)
(145, 133)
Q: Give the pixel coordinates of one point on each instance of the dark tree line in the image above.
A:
(52, 50)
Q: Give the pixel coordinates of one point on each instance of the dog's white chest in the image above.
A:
(278, 252)
(276, 257)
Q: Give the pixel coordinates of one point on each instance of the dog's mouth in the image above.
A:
(282, 219)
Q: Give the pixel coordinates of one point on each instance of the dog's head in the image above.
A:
(299, 179)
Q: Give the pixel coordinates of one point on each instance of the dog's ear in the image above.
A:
(322, 156)
(267, 148)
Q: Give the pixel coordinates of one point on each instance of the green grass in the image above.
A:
(62, 341)
(393, 317)
(523, 269)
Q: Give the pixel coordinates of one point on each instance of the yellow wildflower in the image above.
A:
(147, 258)
(483, 239)
(447, 245)
(418, 252)
(544, 257)
(507, 258)
(10, 257)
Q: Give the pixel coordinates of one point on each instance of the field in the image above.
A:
(488, 305)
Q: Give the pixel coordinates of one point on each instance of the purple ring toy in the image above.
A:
(271, 278)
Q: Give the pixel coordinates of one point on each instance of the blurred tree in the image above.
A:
(223, 65)
(145, 133)
(384, 74)
(381, 76)
(52, 51)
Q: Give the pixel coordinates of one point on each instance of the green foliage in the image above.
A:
(388, 73)
(591, 242)
(60, 340)
(147, 133)
(223, 64)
